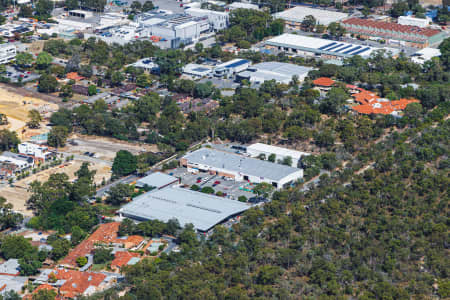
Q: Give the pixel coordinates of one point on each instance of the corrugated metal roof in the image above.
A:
(324, 17)
(202, 210)
(277, 150)
(242, 164)
(156, 179)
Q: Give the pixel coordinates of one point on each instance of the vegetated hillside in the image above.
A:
(382, 234)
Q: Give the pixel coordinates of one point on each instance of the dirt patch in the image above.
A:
(19, 194)
(104, 148)
(16, 107)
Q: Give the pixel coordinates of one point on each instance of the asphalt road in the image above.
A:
(126, 180)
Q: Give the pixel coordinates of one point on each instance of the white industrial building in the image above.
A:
(425, 54)
(411, 21)
(240, 168)
(299, 45)
(197, 71)
(293, 17)
(36, 151)
(112, 19)
(7, 53)
(257, 149)
(237, 5)
(217, 19)
(175, 28)
(202, 210)
(280, 72)
(231, 67)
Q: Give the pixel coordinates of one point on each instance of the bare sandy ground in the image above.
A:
(16, 107)
(19, 194)
(104, 148)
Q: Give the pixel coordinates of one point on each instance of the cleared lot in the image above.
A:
(103, 148)
(16, 107)
(19, 194)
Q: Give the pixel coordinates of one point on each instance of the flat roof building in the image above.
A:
(411, 21)
(293, 17)
(21, 161)
(237, 5)
(10, 267)
(259, 148)
(310, 46)
(231, 67)
(7, 53)
(157, 180)
(425, 54)
(196, 70)
(202, 210)
(217, 19)
(240, 168)
(280, 72)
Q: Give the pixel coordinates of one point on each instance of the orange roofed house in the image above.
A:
(324, 83)
(74, 76)
(123, 258)
(76, 283)
(384, 106)
(105, 233)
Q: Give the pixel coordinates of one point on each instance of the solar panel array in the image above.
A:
(350, 49)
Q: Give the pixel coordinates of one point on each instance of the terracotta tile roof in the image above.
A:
(105, 233)
(384, 108)
(77, 282)
(365, 97)
(122, 258)
(132, 240)
(394, 27)
(74, 76)
(324, 81)
(42, 287)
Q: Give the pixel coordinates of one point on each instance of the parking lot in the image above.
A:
(14, 75)
(231, 188)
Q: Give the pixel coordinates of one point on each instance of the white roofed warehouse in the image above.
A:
(306, 46)
(293, 17)
(202, 210)
(278, 71)
(259, 148)
(241, 168)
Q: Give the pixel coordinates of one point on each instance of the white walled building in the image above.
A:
(257, 149)
(37, 151)
(7, 53)
(240, 168)
(237, 5)
(218, 20)
(411, 21)
(22, 162)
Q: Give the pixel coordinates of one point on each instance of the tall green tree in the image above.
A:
(124, 163)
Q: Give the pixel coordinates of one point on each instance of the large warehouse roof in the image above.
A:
(281, 72)
(323, 46)
(298, 13)
(240, 164)
(202, 210)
